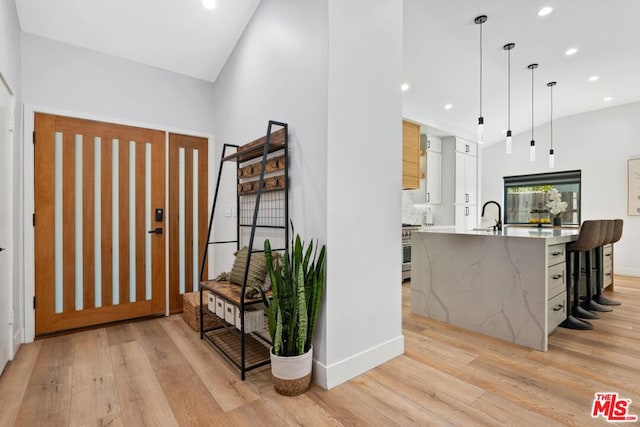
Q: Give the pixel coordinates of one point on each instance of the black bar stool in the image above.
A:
(606, 235)
(588, 239)
(616, 235)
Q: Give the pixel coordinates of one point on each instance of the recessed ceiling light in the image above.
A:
(571, 51)
(448, 107)
(593, 78)
(404, 87)
(607, 98)
(545, 11)
(209, 4)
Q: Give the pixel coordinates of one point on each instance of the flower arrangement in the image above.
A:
(555, 204)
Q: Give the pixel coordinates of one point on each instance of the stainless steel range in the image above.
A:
(407, 229)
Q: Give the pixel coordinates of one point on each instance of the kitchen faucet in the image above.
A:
(498, 225)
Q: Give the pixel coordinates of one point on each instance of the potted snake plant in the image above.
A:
(297, 283)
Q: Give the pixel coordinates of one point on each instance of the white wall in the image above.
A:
(364, 298)
(79, 80)
(278, 71)
(10, 69)
(333, 72)
(599, 143)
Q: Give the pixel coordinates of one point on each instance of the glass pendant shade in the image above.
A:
(480, 130)
(532, 148)
(532, 151)
(552, 161)
(508, 48)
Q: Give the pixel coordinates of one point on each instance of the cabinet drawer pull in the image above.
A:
(557, 276)
(558, 307)
(466, 198)
(428, 197)
(466, 148)
(607, 274)
(609, 254)
(557, 253)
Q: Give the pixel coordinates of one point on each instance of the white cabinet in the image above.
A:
(462, 155)
(466, 178)
(434, 177)
(466, 147)
(466, 217)
(434, 144)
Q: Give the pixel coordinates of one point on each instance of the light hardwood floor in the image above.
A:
(158, 372)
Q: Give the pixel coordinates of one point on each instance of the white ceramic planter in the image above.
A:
(292, 375)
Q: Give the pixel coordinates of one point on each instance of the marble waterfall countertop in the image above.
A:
(492, 282)
(553, 234)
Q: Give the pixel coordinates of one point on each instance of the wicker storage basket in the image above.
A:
(191, 311)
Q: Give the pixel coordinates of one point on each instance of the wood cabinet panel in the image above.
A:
(410, 155)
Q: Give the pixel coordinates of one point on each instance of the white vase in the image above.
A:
(291, 374)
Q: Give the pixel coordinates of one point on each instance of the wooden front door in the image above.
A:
(188, 165)
(97, 188)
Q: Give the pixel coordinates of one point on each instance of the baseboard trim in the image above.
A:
(628, 271)
(329, 376)
(18, 339)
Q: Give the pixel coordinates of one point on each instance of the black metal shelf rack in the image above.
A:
(262, 202)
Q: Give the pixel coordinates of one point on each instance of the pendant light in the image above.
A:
(480, 20)
(551, 154)
(508, 48)
(532, 148)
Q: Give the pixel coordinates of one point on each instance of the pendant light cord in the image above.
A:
(509, 90)
(481, 70)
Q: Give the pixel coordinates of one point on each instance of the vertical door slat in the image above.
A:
(188, 219)
(87, 223)
(123, 150)
(44, 192)
(181, 220)
(106, 226)
(68, 222)
(173, 224)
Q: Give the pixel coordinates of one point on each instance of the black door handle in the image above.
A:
(156, 231)
(1, 249)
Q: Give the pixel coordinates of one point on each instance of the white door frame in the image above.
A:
(28, 266)
(7, 323)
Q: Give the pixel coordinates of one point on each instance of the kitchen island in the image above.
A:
(509, 284)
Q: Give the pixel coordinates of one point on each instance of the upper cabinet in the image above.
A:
(466, 147)
(434, 170)
(410, 155)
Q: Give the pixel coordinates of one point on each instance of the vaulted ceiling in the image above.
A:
(441, 60)
(175, 35)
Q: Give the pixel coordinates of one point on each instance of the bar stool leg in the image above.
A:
(589, 303)
(579, 311)
(598, 297)
(571, 322)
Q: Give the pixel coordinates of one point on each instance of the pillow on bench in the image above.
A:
(257, 271)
